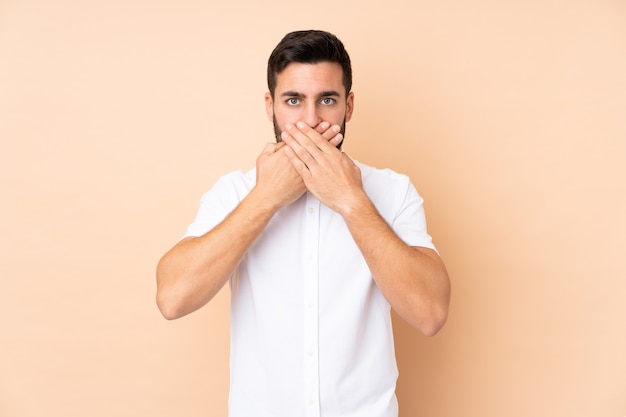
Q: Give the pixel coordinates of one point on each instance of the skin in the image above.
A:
(309, 107)
(196, 268)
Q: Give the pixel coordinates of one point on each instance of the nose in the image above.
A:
(311, 116)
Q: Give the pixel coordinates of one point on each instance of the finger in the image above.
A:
(333, 135)
(307, 137)
(319, 141)
(269, 149)
(298, 149)
(297, 163)
(336, 140)
(322, 127)
(331, 132)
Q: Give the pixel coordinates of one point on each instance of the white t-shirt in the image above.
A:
(311, 332)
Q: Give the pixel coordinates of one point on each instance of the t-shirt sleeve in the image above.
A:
(215, 205)
(410, 221)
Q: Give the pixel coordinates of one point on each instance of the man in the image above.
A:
(316, 247)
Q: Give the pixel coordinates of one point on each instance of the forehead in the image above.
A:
(310, 79)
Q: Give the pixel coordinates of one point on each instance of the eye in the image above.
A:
(327, 101)
(293, 101)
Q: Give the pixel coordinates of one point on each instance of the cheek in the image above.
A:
(334, 116)
(284, 117)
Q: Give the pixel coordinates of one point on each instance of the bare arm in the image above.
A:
(413, 280)
(191, 273)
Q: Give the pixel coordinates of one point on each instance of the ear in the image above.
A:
(349, 106)
(269, 107)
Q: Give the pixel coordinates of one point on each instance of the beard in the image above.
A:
(278, 132)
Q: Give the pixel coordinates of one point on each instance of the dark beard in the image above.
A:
(278, 132)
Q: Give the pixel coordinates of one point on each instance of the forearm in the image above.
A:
(194, 270)
(413, 280)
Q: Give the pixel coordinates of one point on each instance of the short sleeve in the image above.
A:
(219, 202)
(410, 220)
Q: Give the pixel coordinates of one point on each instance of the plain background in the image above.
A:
(509, 116)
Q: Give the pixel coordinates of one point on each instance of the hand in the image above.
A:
(326, 171)
(277, 180)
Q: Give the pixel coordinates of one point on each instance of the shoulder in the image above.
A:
(390, 191)
(220, 200)
(239, 178)
(234, 183)
(382, 179)
(398, 202)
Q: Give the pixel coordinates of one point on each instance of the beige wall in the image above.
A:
(115, 116)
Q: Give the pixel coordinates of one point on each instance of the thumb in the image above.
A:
(270, 148)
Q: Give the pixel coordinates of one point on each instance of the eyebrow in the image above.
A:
(329, 93)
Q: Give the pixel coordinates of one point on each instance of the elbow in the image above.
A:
(428, 320)
(166, 300)
(434, 322)
(168, 308)
(432, 316)
(435, 313)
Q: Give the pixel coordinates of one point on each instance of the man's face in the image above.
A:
(311, 93)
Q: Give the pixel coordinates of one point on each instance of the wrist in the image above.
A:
(355, 205)
(262, 202)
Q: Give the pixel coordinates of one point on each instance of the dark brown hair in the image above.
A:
(308, 47)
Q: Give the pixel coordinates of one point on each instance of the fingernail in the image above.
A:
(336, 128)
(324, 125)
(284, 135)
(288, 126)
(300, 125)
